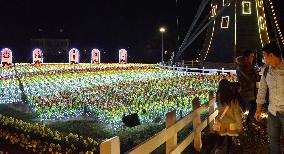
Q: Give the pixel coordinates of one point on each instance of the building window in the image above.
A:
(225, 22)
(246, 7)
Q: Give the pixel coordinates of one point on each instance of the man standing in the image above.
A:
(247, 77)
(274, 81)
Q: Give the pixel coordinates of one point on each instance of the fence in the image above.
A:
(169, 134)
(198, 70)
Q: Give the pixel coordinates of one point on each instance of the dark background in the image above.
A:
(103, 24)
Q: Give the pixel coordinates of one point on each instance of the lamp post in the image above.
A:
(162, 30)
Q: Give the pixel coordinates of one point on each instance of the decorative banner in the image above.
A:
(96, 56)
(74, 56)
(122, 56)
(6, 58)
(37, 56)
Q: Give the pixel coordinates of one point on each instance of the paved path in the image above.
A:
(253, 140)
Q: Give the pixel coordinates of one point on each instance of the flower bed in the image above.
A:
(108, 92)
(38, 138)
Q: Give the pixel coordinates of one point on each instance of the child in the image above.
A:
(231, 121)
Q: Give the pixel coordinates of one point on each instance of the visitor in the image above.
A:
(229, 116)
(273, 80)
(247, 76)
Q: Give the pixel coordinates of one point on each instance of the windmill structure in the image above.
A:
(233, 26)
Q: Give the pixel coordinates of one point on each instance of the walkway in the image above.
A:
(253, 140)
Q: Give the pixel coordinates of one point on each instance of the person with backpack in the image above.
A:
(273, 81)
(229, 120)
(247, 77)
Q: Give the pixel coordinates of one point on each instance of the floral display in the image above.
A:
(106, 91)
(38, 138)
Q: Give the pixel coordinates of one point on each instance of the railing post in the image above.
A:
(196, 122)
(110, 146)
(171, 142)
(211, 107)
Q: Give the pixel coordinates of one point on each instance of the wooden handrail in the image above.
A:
(110, 146)
(169, 134)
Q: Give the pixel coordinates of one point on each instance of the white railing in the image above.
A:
(198, 70)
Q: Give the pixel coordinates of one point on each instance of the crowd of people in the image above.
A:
(253, 91)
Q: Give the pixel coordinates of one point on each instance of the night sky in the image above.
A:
(103, 24)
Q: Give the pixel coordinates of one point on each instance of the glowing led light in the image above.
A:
(122, 56)
(74, 56)
(259, 31)
(6, 57)
(162, 29)
(212, 34)
(96, 56)
(275, 21)
(37, 56)
(260, 3)
(261, 23)
(214, 10)
(262, 28)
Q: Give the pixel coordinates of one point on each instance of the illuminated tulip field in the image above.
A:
(105, 91)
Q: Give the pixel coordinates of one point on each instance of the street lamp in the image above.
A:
(162, 30)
